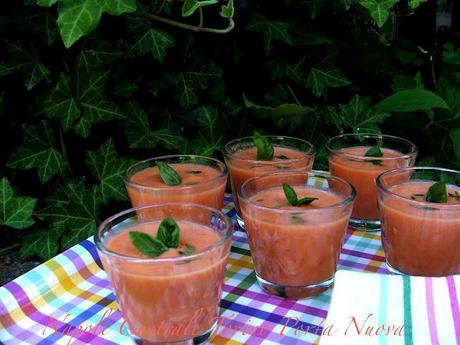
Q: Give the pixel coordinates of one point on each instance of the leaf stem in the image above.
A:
(200, 11)
(293, 94)
(195, 28)
(10, 247)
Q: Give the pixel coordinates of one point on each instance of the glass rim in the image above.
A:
(310, 152)
(413, 148)
(128, 182)
(385, 189)
(324, 175)
(103, 248)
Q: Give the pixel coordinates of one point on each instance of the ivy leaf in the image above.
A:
(153, 41)
(137, 129)
(169, 232)
(46, 3)
(190, 6)
(288, 110)
(347, 3)
(450, 55)
(109, 167)
(168, 139)
(320, 80)
(455, 137)
(15, 211)
(96, 54)
(77, 214)
(378, 9)
(24, 60)
(78, 18)
(43, 244)
(271, 31)
(140, 135)
(210, 127)
(38, 152)
(415, 3)
(190, 82)
(358, 115)
(61, 103)
(412, 100)
(186, 93)
(227, 11)
(280, 70)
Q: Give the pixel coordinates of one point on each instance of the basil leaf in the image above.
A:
(168, 233)
(265, 149)
(374, 151)
(168, 174)
(292, 198)
(456, 196)
(189, 250)
(306, 201)
(194, 172)
(290, 194)
(146, 244)
(437, 193)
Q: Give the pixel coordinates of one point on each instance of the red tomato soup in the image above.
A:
(200, 184)
(351, 165)
(419, 237)
(169, 300)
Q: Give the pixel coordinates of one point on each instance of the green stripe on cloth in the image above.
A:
(407, 311)
(383, 306)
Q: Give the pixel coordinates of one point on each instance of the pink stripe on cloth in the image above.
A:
(431, 312)
(454, 305)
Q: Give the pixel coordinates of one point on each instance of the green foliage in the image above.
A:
(15, 211)
(88, 87)
(412, 100)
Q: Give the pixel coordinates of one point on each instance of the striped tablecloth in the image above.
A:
(68, 300)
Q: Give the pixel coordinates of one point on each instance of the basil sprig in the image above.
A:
(437, 193)
(167, 237)
(265, 149)
(168, 174)
(374, 151)
(292, 198)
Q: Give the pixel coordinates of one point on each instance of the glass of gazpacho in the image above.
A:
(260, 155)
(166, 267)
(359, 159)
(177, 178)
(296, 223)
(420, 213)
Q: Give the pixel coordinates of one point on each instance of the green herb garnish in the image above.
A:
(265, 149)
(437, 193)
(374, 151)
(189, 250)
(456, 196)
(414, 196)
(292, 198)
(194, 172)
(167, 237)
(168, 174)
(147, 244)
(169, 232)
(282, 157)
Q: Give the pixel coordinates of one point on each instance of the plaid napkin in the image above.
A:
(372, 308)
